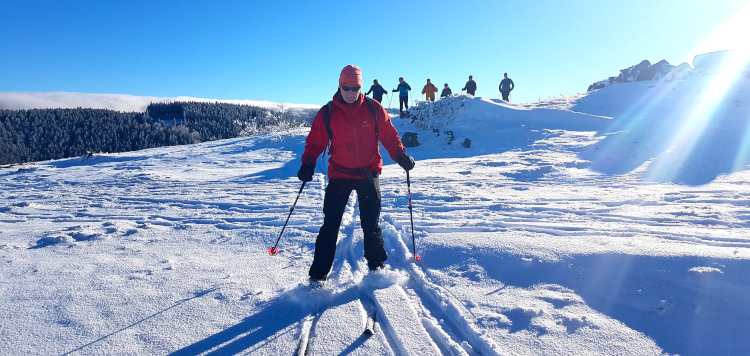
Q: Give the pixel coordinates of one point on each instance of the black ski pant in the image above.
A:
(506, 95)
(334, 204)
(403, 101)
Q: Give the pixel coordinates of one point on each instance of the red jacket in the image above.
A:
(354, 142)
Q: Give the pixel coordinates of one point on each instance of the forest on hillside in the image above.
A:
(46, 134)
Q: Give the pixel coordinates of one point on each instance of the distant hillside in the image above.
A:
(45, 134)
(125, 103)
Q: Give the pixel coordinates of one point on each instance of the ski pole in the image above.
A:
(389, 100)
(411, 217)
(275, 250)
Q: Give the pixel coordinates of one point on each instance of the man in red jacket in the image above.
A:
(355, 164)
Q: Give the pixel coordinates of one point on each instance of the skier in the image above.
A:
(354, 164)
(506, 85)
(471, 86)
(446, 91)
(429, 90)
(403, 90)
(377, 91)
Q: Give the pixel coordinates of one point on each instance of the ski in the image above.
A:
(308, 327)
(370, 323)
(370, 310)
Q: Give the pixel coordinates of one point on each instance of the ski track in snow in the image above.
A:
(525, 250)
(349, 269)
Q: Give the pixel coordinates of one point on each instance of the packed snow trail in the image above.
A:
(340, 319)
(339, 328)
(342, 311)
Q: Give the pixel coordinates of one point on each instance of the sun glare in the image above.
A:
(697, 116)
(732, 35)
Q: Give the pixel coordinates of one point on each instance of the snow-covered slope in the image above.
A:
(606, 223)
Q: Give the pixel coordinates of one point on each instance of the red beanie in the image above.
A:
(351, 76)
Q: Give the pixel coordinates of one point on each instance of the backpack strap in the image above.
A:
(374, 114)
(327, 119)
(327, 122)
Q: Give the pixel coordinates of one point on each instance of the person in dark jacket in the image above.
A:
(354, 164)
(471, 86)
(403, 90)
(506, 85)
(446, 91)
(377, 91)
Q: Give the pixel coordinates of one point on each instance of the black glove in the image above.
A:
(406, 162)
(305, 172)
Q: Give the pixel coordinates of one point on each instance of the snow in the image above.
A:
(403, 322)
(611, 222)
(729, 60)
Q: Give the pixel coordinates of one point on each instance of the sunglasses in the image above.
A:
(351, 88)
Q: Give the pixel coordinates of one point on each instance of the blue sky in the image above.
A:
(293, 51)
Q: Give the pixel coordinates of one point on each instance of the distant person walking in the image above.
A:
(471, 86)
(377, 91)
(506, 85)
(403, 90)
(429, 90)
(446, 91)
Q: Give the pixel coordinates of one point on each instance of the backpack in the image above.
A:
(327, 120)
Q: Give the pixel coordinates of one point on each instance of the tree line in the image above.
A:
(45, 134)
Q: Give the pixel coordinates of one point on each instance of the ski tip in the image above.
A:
(273, 251)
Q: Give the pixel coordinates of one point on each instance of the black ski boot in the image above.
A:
(317, 282)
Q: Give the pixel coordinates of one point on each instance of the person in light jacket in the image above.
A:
(429, 90)
(403, 90)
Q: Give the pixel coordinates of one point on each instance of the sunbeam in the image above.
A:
(666, 132)
(704, 120)
(742, 160)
